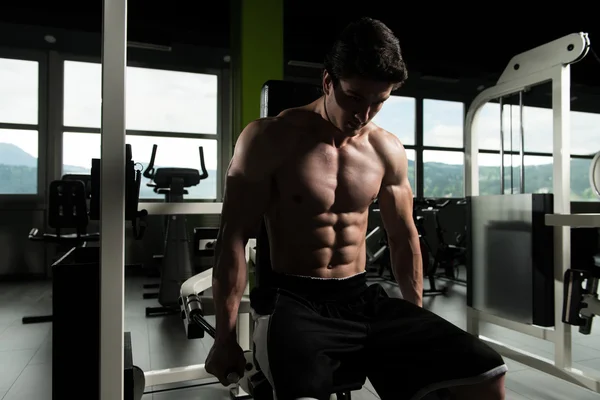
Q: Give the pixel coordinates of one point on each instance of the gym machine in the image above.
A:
(581, 303)
(76, 291)
(445, 256)
(547, 63)
(177, 264)
(67, 211)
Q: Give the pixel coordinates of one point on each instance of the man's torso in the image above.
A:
(320, 202)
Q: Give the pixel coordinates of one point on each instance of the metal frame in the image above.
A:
(37, 200)
(222, 139)
(193, 287)
(547, 63)
(112, 201)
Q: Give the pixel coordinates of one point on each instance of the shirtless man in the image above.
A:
(312, 172)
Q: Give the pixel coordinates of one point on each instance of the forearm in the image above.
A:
(407, 265)
(229, 282)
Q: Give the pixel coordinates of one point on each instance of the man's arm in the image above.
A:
(396, 205)
(247, 195)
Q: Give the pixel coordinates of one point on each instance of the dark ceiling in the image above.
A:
(451, 41)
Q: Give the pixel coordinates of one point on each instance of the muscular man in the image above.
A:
(312, 172)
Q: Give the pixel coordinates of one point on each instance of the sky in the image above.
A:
(159, 100)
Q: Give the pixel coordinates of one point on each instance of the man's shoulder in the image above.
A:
(385, 143)
(288, 120)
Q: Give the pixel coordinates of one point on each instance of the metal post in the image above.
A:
(501, 146)
(561, 106)
(521, 145)
(512, 185)
(112, 200)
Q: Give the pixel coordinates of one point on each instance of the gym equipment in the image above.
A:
(595, 174)
(67, 210)
(429, 242)
(547, 63)
(194, 307)
(581, 302)
(445, 256)
(73, 314)
(177, 265)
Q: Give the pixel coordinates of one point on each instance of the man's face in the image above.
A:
(353, 103)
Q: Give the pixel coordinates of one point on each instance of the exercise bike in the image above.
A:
(177, 265)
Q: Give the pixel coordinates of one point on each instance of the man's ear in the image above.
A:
(327, 83)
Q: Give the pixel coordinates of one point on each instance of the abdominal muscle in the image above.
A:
(327, 245)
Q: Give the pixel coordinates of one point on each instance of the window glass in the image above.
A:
(443, 173)
(538, 174)
(487, 127)
(581, 189)
(397, 116)
(585, 131)
(489, 174)
(443, 123)
(19, 91)
(18, 161)
(156, 100)
(412, 170)
(80, 148)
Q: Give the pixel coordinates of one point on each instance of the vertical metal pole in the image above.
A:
(112, 199)
(561, 109)
(512, 185)
(521, 145)
(501, 146)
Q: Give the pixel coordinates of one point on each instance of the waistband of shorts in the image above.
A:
(321, 288)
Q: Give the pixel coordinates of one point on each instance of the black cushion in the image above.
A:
(164, 176)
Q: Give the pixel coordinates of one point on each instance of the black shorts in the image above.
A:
(309, 329)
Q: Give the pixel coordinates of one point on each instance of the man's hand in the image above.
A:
(225, 358)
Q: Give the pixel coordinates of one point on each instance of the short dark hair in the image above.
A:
(368, 49)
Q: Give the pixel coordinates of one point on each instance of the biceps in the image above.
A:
(396, 205)
(244, 203)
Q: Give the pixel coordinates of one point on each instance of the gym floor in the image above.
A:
(25, 350)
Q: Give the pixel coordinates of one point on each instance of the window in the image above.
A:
(538, 174)
(397, 116)
(581, 189)
(157, 100)
(538, 129)
(19, 143)
(179, 105)
(489, 174)
(585, 130)
(443, 173)
(412, 170)
(443, 123)
(487, 128)
(80, 148)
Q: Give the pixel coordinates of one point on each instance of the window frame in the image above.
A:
(223, 140)
(420, 89)
(36, 200)
(540, 154)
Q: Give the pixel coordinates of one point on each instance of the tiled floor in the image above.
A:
(25, 350)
